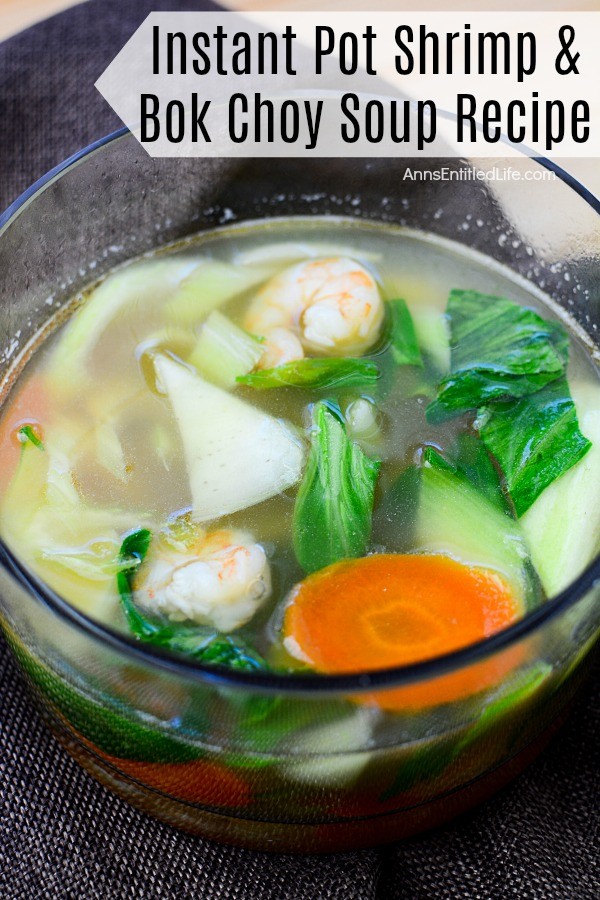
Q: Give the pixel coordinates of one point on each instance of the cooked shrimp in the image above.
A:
(281, 346)
(220, 579)
(332, 305)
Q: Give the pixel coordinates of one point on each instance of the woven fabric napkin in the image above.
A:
(64, 836)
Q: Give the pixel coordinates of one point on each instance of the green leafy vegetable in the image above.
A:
(515, 693)
(562, 527)
(334, 506)
(403, 337)
(502, 716)
(315, 373)
(436, 508)
(108, 721)
(535, 440)
(498, 350)
(226, 650)
(472, 460)
(134, 549)
(27, 434)
(421, 763)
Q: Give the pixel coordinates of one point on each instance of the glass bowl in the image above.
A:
(305, 762)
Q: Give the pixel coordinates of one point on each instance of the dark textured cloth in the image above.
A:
(64, 836)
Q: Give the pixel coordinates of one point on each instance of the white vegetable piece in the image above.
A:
(209, 285)
(433, 335)
(236, 455)
(137, 284)
(282, 252)
(562, 527)
(221, 580)
(334, 754)
(224, 351)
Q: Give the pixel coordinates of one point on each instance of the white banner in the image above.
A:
(361, 84)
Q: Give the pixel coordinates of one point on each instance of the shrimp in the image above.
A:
(332, 306)
(281, 346)
(219, 579)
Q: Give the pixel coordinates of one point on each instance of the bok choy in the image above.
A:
(402, 336)
(535, 440)
(323, 374)
(499, 350)
(224, 351)
(334, 506)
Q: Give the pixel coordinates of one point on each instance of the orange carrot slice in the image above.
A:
(392, 610)
(201, 781)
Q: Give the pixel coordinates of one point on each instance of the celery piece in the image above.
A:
(224, 351)
(27, 433)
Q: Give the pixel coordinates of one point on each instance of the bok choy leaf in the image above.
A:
(498, 350)
(403, 338)
(334, 506)
(315, 373)
(225, 351)
(535, 440)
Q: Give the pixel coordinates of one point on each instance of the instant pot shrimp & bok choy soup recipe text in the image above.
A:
(309, 446)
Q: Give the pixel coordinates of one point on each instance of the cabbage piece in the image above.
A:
(236, 455)
(73, 546)
(334, 754)
(282, 253)
(140, 283)
(210, 284)
(442, 507)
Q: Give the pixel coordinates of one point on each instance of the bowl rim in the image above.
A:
(286, 683)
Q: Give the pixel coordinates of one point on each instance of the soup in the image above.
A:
(308, 445)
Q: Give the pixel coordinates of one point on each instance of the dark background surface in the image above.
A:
(64, 836)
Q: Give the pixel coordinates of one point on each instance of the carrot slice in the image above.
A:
(27, 406)
(200, 781)
(392, 610)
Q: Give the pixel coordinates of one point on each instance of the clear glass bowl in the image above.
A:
(270, 761)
